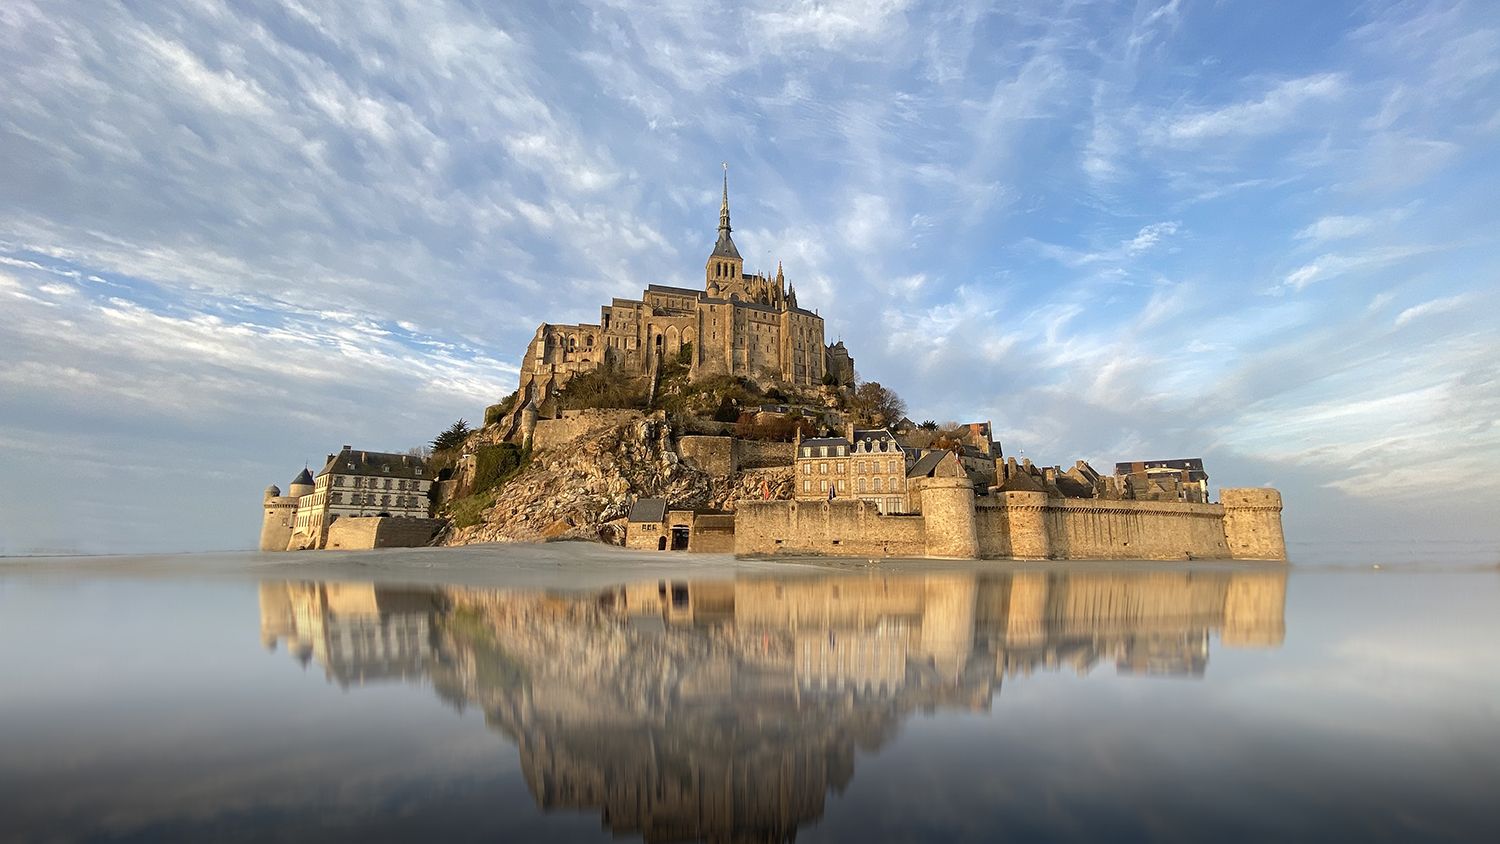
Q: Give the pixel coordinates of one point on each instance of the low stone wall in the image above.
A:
(364, 532)
(552, 433)
(756, 454)
(712, 534)
(727, 455)
(841, 527)
(714, 455)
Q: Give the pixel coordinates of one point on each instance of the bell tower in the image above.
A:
(725, 267)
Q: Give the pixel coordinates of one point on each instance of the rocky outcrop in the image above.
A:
(584, 489)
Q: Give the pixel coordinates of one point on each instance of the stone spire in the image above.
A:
(724, 206)
(725, 247)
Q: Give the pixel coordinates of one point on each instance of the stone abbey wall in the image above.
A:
(552, 433)
(727, 455)
(351, 533)
(1020, 525)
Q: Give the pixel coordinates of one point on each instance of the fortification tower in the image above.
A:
(948, 517)
(1252, 523)
(1026, 513)
(276, 520)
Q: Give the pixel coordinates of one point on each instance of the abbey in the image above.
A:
(739, 324)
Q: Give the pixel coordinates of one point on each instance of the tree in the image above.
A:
(453, 437)
(875, 406)
(928, 425)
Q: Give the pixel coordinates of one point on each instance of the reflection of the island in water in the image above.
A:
(685, 710)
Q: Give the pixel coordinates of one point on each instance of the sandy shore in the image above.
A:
(555, 565)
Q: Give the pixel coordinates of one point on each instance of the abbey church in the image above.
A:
(738, 324)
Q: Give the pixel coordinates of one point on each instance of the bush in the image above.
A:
(685, 355)
(495, 464)
(605, 386)
(469, 510)
(782, 428)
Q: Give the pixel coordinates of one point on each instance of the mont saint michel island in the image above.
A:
(755, 422)
(720, 419)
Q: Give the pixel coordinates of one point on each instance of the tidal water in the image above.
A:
(1138, 703)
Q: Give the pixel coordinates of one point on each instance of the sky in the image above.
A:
(236, 236)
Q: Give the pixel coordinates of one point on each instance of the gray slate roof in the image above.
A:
(725, 247)
(648, 510)
(924, 467)
(377, 463)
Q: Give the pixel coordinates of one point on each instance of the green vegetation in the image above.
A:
(453, 437)
(603, 386)
(496, 464)
(469, 510)
(494, 413)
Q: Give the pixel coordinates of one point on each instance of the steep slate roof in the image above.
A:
(304, 478)
(377, 463)
(648, 510)
(924, 467)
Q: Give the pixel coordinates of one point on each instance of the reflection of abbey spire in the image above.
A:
(728, 710)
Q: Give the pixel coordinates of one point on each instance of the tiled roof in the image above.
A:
(648, 510)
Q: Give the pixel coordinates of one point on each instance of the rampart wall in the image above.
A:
(839, 527)
(349, 533)
(1020, 525)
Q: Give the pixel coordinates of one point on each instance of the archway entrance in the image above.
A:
(661, 543)
(679, 538)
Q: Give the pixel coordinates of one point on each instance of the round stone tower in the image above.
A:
(948, 518)
(276, 519)
(1026, 513)
(1252, 523)
(528, 421)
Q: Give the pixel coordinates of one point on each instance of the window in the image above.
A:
(892, 470)
(841, 451)
(823, 468)
(823, 486)
(877, 484)
(843, 485)
(840, 467)
(822, 451)
(807, 467)
(806, 485)
(859, 485)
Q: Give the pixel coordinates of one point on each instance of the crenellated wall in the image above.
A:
(1019, 525)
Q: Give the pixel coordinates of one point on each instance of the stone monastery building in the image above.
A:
(738, 324)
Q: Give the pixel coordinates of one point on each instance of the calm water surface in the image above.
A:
(1169, 704)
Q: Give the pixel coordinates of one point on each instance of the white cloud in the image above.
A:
(1440, 305)
(1273, 112)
